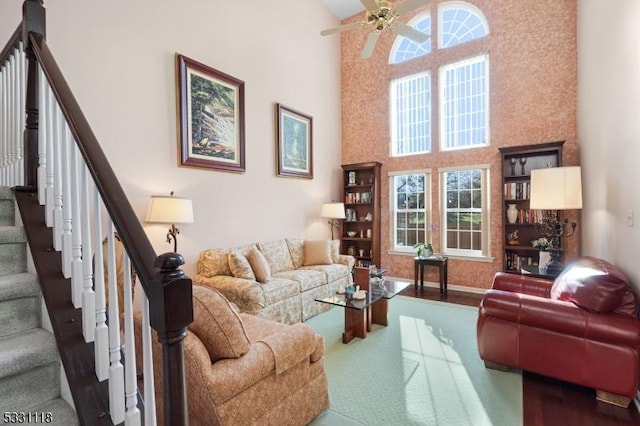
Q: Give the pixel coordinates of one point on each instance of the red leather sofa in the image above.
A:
(582, 328)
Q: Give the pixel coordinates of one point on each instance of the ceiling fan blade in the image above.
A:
(408, 5)
(370, 45)
(410, 32)
(370, 5)
(342, 28)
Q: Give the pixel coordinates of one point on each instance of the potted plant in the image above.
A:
(426, 249)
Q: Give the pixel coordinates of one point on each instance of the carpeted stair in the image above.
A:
(29, 363)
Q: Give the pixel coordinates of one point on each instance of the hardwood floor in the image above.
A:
(549, 402)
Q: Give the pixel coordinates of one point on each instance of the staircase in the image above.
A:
(29, 362)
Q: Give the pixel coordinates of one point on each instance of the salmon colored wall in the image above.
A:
(532, 68)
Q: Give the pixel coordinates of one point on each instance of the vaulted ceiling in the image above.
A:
(344, 8)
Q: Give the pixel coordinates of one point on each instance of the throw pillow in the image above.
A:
(218, 325)
(591, 283)
(316, 252)
(259, 265)
(240, 266)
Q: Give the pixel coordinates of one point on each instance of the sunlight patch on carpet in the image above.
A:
(423, 369)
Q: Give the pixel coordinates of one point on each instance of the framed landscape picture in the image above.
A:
(211, 117)
(294, 143)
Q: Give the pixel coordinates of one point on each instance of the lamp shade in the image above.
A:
(333, 211)
(166, 209)
(556, 188)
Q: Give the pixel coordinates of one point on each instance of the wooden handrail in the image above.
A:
(16, 37)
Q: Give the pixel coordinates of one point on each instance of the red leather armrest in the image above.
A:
(522, 284)
(561, 317)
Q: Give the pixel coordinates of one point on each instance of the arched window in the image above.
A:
(404, 49)
(460, 22)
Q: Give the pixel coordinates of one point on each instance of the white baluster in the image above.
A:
(57, 177)
(67, 212)
(5, 114)
(42, 137)
(101, 345)
(12, 119)
(50, 114)
(16, 116)
(116, 371)
(147, 353)
(132, 416)
(22, 61)
(88, 295)
(76, 223)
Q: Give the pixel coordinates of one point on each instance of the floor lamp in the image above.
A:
(333, 212)
(553, 189)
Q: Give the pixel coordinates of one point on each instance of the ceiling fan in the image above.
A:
(381, 15)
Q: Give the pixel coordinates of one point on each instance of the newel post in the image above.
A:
(33, 21)
(171, 313)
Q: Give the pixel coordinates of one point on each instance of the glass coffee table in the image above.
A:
(359, 314)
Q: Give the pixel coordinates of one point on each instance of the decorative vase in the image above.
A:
(428, 252)
(545, 258)
(512, 213)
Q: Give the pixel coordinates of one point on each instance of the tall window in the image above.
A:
(464, 103)
(411, 115)
(410, 208)
(463, 86)
(465, 206)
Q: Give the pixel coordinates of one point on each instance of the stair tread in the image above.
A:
(29, 349)
(19, 285)
(61, 412)
(6, 193)
(12, 234)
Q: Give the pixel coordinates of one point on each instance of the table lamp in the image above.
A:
(553, 189)
(171, 210)
(334, 212)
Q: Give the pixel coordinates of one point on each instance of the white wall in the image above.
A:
(609, 129)
(118, 57)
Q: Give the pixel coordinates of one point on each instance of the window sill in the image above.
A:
(486, 259)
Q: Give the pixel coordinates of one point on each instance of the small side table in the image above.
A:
(440, 262)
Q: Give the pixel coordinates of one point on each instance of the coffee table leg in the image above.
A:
(380, 312)
(355, 324)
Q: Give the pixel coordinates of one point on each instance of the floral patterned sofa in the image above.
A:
(244, 370)
(278, 280)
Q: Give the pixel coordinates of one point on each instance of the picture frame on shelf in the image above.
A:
(294, 140)
(211, 118)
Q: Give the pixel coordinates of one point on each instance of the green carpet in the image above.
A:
(423, 369)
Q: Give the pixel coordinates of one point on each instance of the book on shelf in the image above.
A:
(517, 190)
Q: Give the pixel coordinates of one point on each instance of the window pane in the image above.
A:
(464, 104)
(401, 237)
(460, 23)
(410, 214)
(452, 200)
(411, 114)
(464, 214)
(465, 199)
(404, 49)
(401, 200)
(401, 220)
